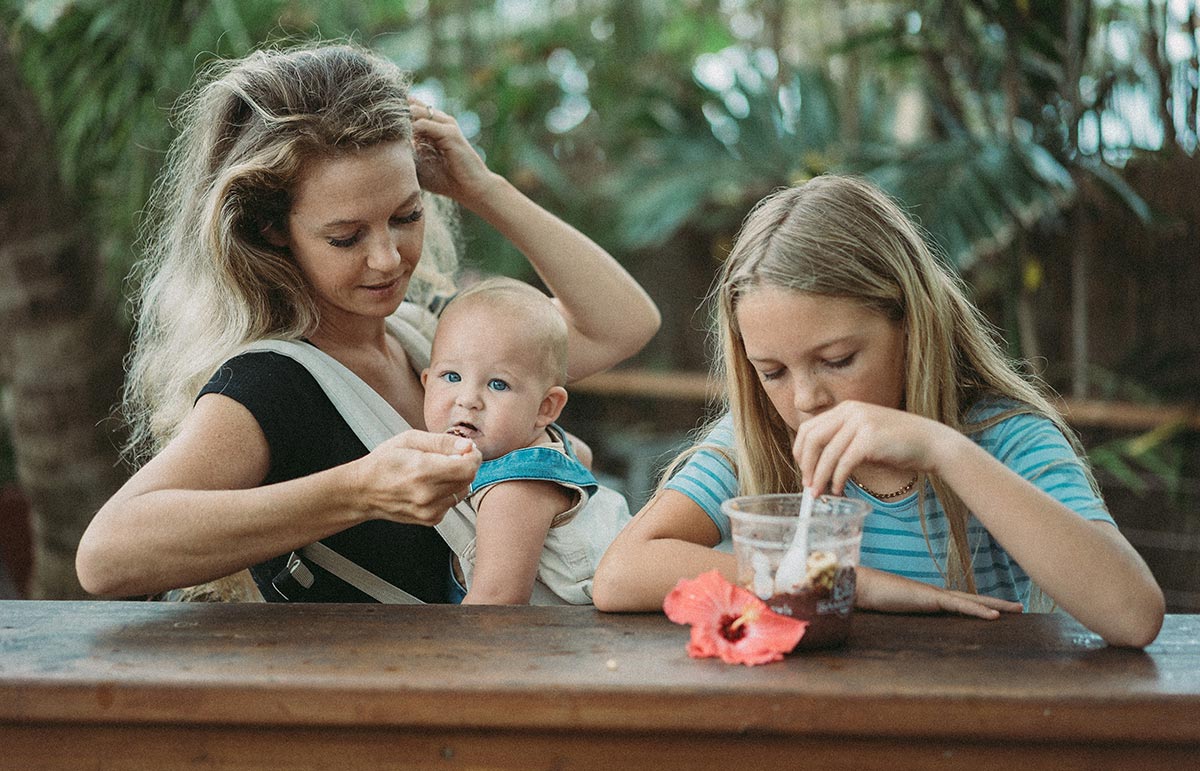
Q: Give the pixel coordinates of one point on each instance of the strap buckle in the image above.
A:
(294, 578)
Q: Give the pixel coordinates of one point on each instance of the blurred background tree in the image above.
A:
(1049, 149)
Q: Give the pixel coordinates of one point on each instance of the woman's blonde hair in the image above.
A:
(209, 280)
(841, 236)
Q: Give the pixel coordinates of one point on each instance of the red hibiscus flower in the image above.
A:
(730, 622)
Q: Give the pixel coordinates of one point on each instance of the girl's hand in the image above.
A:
(829, 446)
(446, 162)
(416, 476)
(879, 590)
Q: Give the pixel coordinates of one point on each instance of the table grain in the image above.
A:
(159, 685)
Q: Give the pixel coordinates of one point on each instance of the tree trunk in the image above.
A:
(1156, 57)
(61, 345)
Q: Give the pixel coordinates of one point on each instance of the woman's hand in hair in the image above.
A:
(883, 591)
(415, 477)
(446, 162)
(831, 445)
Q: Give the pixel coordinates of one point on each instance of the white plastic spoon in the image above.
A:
(793, 568)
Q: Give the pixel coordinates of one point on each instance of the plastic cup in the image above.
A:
(764, 527)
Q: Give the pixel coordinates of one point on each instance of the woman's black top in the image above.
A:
(306, 434)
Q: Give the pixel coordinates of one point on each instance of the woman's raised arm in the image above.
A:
(609, 316)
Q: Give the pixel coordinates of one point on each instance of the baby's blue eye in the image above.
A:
(496, 384)
(452, 377)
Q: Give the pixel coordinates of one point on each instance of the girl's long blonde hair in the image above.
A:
(209, 280)
(841, 236)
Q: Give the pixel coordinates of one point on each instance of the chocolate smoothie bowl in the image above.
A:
(808, 575)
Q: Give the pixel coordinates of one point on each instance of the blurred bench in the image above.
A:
(698, 387)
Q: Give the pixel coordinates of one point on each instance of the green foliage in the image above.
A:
(602, 111)
(108, 74)
(973, 195)
(753, 136)
(1000, 80)
(1155, 453)
(738, 144)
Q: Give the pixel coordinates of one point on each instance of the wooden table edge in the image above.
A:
(590, 709)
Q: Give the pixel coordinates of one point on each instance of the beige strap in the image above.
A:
(359, 578)
(373, 421)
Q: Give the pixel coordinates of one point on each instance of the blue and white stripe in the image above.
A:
(892, 537)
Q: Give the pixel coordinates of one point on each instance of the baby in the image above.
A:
(540, 520)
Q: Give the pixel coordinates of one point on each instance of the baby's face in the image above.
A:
(483, 383)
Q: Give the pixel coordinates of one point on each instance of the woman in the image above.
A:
(295, 205)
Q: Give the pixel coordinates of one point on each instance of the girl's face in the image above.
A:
(356, 230)
(812, 352)
(486, 383)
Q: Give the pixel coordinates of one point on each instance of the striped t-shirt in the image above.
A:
(893, 540)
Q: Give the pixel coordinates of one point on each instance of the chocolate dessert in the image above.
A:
(825, 601)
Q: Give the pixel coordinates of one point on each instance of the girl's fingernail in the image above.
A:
(463, 445)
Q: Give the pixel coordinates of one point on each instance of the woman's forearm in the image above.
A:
(609, 315)
(163, 539)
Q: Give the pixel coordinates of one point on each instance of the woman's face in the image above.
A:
(356, 229)
(812, 352)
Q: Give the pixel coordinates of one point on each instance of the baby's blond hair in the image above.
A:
(531, 313)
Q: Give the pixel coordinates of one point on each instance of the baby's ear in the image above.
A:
(551, 406)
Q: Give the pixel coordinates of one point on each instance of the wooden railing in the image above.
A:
(698, 387)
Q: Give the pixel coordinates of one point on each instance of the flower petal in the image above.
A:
(713, 607)
(703, 642)
(767, 639)
(701, 600)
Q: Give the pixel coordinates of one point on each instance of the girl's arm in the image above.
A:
(880, 590)
(1088, 568)
(669, 539)
(510, 530)
(672, 538)
(609, 316)
(195, 512)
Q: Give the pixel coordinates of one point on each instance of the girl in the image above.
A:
(853, 363)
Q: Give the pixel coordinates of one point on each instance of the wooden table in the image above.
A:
(157, 685)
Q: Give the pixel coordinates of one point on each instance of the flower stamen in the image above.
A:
(731, 628)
